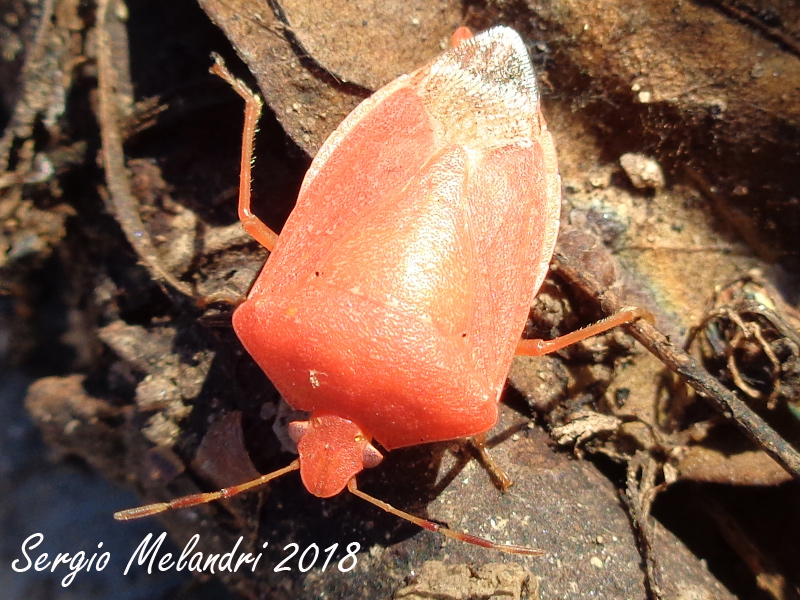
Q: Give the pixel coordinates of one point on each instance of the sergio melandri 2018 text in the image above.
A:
(148, 553)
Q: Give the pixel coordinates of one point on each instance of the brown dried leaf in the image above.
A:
(370, 42)
(314, 62)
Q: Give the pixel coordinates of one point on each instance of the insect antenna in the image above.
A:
(203, 498)
(431, 526)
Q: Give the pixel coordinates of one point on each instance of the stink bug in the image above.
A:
(392, 303)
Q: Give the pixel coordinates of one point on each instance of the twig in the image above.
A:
(119, 186)
(37, 87)
(641, 491)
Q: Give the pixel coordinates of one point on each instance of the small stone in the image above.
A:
(644, 172)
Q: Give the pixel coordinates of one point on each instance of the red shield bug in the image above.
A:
(392, 303)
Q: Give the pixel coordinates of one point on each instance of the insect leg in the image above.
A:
(253, 103)
(499, 477)
(539, 347)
